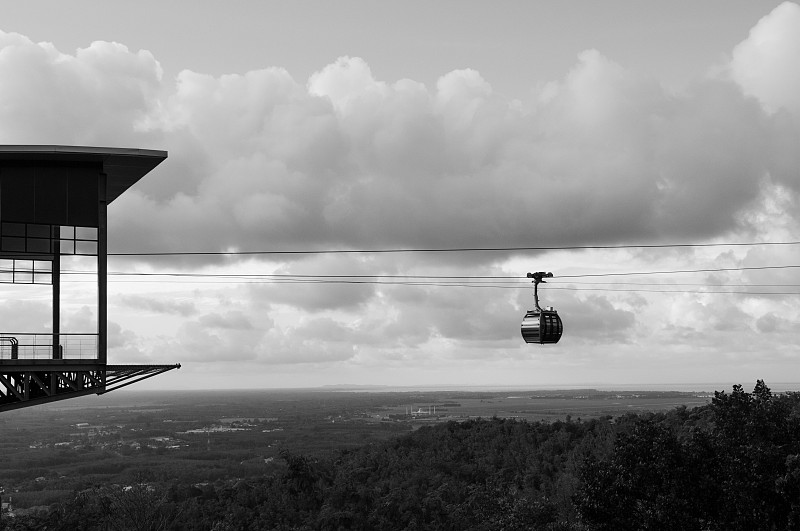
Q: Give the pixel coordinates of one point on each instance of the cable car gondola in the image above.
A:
(541, 325)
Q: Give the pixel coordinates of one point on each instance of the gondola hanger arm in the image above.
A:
(537, 279)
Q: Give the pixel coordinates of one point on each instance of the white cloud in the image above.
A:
(765, 64)
(100, 93)
(21, 315)
(344, 82)
(121, 340)
(264, 162)
(232, 320)
(259, 161)
(158, 305)
(211, 339)
(594, 320)
(771, 323)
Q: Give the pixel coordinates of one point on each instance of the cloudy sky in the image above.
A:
(627, 137)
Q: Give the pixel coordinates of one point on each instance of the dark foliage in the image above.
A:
(740, 471)
(733, 464)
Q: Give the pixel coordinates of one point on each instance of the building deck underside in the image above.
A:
(24, 384)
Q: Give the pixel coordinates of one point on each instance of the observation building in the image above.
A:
(53, 204)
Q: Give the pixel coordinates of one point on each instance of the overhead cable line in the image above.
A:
(453, 249)
(680, 284)
(495, 278)
(443, 281)
(453, 278)
(464, 285)
(680, 271)
(702, 292)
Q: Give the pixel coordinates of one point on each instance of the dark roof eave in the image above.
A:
(123, 166)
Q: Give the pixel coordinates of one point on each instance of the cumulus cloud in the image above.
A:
(20, 315)
(213, 338)
(158, 305)
(351, 161)
(765, 64)
(122, 340)
(79, 320)
(344, 82)
(233, 320)
(101, 92)
(344, 289)
(262, 161)
(595, 319)
(771, 323)
(465, 315)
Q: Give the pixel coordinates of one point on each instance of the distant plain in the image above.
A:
(193, 437)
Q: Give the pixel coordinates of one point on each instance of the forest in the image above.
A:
(731, 464)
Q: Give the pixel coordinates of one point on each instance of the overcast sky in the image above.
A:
(360, 125)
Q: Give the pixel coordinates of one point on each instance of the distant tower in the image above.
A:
(53, 203)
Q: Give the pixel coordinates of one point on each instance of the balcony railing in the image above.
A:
(39, 346)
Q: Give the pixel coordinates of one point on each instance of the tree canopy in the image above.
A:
(732, 464)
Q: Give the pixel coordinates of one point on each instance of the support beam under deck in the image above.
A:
(28, 384)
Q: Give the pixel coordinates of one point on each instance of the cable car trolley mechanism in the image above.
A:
(541, 325)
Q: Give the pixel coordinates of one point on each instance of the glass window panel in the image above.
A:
(36, 245)
(38, 231)
(67, 232)
(85, 248)
(6, 270)
(13, 229)
(13, 244)
(42, 277)
(67, 246)
(86, 233)
(41, 266)
(23, 277)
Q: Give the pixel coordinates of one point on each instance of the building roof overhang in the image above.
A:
(123, 166)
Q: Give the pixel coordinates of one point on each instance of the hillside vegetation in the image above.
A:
(732, 464)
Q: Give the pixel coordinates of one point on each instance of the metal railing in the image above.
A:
(39, 346)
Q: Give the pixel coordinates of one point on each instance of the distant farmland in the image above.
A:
(547, 406)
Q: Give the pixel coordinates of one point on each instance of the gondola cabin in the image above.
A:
(542, 326)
